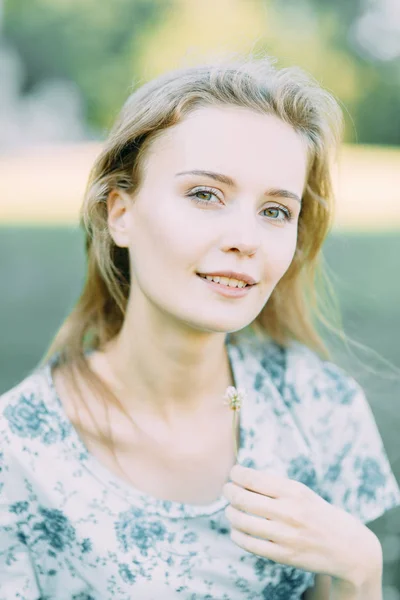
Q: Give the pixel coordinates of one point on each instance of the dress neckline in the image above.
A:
(122, 487)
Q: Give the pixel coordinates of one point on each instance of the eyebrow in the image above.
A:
(271, 192)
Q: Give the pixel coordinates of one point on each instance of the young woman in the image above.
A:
(204, 216)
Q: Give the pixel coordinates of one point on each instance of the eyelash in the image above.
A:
(288, 213)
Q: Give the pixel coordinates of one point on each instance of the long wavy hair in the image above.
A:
(301, 297)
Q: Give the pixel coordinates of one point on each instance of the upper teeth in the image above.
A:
(225, 281)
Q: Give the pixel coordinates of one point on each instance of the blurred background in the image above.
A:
(66, 68)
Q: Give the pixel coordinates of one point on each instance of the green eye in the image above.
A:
(287, 215)
(203, 190)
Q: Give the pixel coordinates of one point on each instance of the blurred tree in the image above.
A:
(371, 113)
(200, 30)
(91, 42)
(106, 48)
(293, 32)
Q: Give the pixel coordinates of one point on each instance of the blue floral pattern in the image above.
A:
(30, 418)
(72, 530)
(133, 530)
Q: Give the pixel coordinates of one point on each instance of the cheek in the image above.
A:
(160, 241)
(178, 244)
(279, 252)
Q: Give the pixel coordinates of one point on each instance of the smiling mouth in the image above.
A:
(246, 285)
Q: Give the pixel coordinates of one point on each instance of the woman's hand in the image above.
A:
(291, 524)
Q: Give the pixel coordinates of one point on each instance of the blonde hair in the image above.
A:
(254, 83)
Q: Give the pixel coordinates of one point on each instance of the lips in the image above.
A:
(226, 290)
(219, 283)
(231, 275)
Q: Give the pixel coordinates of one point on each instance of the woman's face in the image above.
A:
(182, 224)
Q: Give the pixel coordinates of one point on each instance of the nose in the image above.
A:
(242, 248)
(242, 236)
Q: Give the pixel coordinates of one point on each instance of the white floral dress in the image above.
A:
(72, 530)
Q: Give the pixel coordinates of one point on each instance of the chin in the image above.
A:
(221, 325)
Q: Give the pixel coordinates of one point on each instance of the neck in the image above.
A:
(172, 375)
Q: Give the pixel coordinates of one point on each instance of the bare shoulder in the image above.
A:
(320, 590)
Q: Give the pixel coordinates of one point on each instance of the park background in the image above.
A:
(66, 68)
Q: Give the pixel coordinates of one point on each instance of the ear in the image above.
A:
(118, 216)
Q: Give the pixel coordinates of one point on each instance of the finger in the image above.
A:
(273, 531)
(266, 482)
(264, 548)
(254, 503)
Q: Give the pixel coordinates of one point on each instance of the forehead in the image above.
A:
(234, 141)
